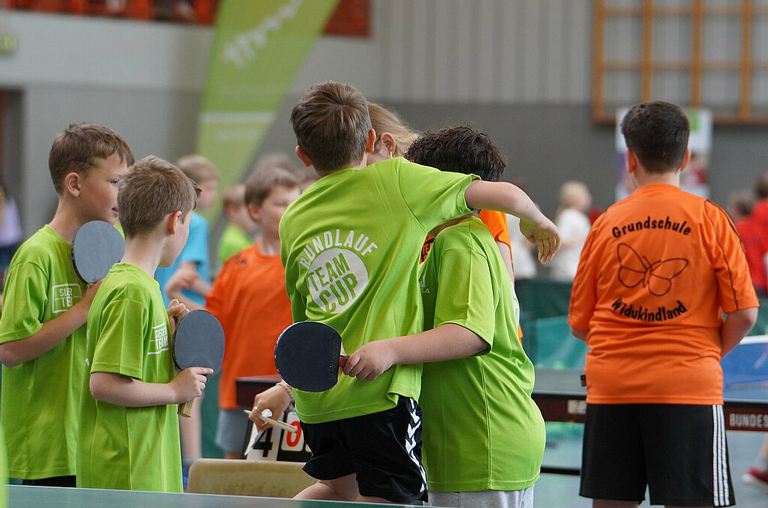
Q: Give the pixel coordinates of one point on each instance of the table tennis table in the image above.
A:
(23, 496)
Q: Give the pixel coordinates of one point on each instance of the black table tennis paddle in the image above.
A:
(198, 342)
(308, 356)
(96, 247)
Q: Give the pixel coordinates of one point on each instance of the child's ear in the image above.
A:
(174, 221)
(303, 157)
(631, 161)
(254, 211)
(371, 143)
(390, 144)
(72, 183)
(686, 160)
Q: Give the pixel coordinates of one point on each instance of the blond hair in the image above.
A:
(149, 191)
(384, 120)
(570, 192)
(77, 148)
(197, 168)
(234, 197)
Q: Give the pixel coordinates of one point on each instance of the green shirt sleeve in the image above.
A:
(465, 290)
(24, 302)
(433, 196)
(120, 341)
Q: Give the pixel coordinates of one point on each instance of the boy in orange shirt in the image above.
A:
(656, 274)
(250, 300)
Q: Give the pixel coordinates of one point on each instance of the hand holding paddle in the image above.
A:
(308, 356)
(274, 399)
(198, 342)
(370, 360)
(190, 383)
(96, 247)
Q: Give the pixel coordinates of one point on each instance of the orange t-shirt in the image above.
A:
(656, 273)
(497, 224)
(250, 300)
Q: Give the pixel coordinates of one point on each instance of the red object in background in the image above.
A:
(593, 214)
(352, 18)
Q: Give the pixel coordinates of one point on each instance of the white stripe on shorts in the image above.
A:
(722, 495)
(410, 441)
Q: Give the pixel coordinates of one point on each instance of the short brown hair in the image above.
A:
(197, 168)
(150, 190)
(331, 124)
(263, 181)
(77, 148)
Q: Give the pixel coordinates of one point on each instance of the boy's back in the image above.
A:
(41, 285)
(128, 331)
(658, 269)
(350, 246)
(477, 410)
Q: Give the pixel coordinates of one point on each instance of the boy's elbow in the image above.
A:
(8, 357)
(98, 387)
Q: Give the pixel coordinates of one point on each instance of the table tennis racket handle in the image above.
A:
(185, 409)
(343, 361)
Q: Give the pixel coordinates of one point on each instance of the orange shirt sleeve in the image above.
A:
(497, 224)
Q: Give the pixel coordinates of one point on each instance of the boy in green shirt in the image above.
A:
(476, 392)
(42, 332)
(350, 246)
(129, 430)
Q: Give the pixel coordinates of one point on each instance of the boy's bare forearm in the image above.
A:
(48, 337)
(503, 197)
(125, 391)
(446, 342)
(737, 325)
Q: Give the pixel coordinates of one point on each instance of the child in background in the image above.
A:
(250, 301)
(476, 395)
(194, 259)
(657, 273)
(350, 248)
(237, 235)
(42, 332)
(573, 223)
(129, 432)
(753, 237)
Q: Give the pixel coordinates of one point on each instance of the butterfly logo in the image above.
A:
(656, 276)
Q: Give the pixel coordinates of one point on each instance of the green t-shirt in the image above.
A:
(482, 430)
(233, 240)
(350, 247)
(130, 448)
(41, 397)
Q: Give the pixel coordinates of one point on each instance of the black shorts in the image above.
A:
(679, 451)
(382, 449)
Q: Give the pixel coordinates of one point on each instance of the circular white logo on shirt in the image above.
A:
(336, 278)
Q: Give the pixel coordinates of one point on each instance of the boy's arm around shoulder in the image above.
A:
(125, 391)
(508, 198)
(737, 325)
(50, 335)
(446, 342)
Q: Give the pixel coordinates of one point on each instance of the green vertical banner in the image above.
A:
(258, 48)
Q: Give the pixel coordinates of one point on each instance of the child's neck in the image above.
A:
(144, 252)
(66, 221)
(269, 246)
(643, 177)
